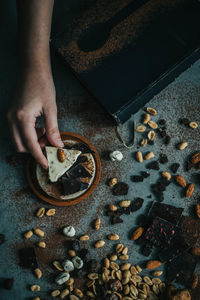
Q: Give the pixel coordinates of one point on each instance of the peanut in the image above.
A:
(28, 234)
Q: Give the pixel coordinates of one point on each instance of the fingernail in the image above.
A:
(59, 143)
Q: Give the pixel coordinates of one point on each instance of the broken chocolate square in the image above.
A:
(175, 167)
(154, 165)
(116, 220)
(160, 233)
(137, 178)
(120, 189)
(163, 158)
(165, 211)
(136, 204)
(71, 186)
(8, 283)
(2, 238)
(181, 269)
(145, 174)
(78, 172)
(28, 258)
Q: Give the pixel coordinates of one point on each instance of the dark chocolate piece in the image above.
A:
(147, 249)
(116, 220)
(162, 133)
(167, 140)
(163, 158)
(175, 167)
(162, 122)
(195, 293)
(8, 283)
(74, 245)
(181, 269)
(78, 172)
(145, 174)
(121, 188)
(137, 178)
(190, 230)
(136, 204)
(184, 121)
(160, 233)
(154, 165)
(83, 148)
(27, 257)
(165, 211)
(71, 186)
(2, 239)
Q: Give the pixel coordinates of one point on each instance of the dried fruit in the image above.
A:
(113, 237)
(41, 245)
(151, 111)
(182, 145)
(152, 264)
(137, 233)
(28, 234)
(51, 212)
(198, 210)
(146, 118)
(124, 203)
(97, 224)
(39, 232)
(38, 273)
(193, 125)
(143, 142)
(112, 181)
(141, 128)
(139, 156)
(55, 293)
(84, 237)
(195, 159)
(166, 175)
(153, 124)
(61, 155)
(58, 265)
(35, 288)
(40, 213)
(189, 190)
(180, 180)
(149, 155)
(151, 135)
(99, 244)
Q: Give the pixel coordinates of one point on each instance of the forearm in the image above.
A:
(34, 19)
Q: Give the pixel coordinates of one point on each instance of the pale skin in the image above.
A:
(35, 93)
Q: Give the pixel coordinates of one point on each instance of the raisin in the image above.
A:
(153, 165)
(163, 158)
(137, 178)
(145, 174)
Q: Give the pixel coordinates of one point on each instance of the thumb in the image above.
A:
(52, 132)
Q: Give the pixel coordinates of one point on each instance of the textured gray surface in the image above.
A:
(79, 113)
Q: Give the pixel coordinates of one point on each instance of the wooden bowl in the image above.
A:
(35, 186)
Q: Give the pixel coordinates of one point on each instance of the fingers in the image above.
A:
(19, 145)
(40, 132)
(52, 132)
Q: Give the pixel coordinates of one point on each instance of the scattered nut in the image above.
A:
(119, 248)
(28, 234)
(124, 257)
(58, 265)
(153, 124)
(180, 180)
(112, 207)
(198, 210)
(157, 273)
(35, 288)
(182, 145)
(55, 293)
(51, 212)
(97, 224)
(39, 232)
(149, 155)
(84, 237)
(125, 266)
(113, 237)
(151, 111)
(72, 253)
(78, 293)
(146, 118)
(138, 269)
(61, 155)
(125, 251)
(151, 135)
(189, 190)
(99, 244)
(139, 156)
(112, 181)
(193, 125)
(137, 233)
(106, 263)
(69, 231)
(140, 128)
(41, 245)
(166, 175)
(124, 203)
(143, 142)
(38, 273)
(64, 293)
(152, 264)
(116, 155)
(195, 159)
(40, 213)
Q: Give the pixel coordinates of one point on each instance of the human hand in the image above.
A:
(35, 96)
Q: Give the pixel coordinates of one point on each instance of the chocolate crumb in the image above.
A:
(145, 174)
(120, 188)
(154, 165)
(116, 220)
(175, 167)
(137, 178)
(162, 122)
(163, 158)
(167, 140)
(162, 133)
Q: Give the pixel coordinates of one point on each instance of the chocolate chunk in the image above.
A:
(188, 165)
(190, 230)
(78, 172)
(145, 174)
(8, 283)
(137, 178)
(184, 121)
(116, 220)
(165, 211)
(28, 258)
(71, 186)
(154, 165)
(126, 210)
(160, 233)
(175, 167)
(2, 239)
(167, 140)
(162, 122)
(181, 269)
(83, 148)
(147, 249)
(136, 204)
(121, 188)
(163, 158)
(74, 245)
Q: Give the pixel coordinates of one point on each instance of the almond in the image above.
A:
(61, 155)
(137, 233)
(196, 251)
(152, 264)
(180, 180)
(189, 190)
(195, 158)
(198, 210)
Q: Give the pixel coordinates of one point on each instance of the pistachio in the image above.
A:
(99, 244)
(140, 128)
(84, 237)
(166, 175)
(124, 203)
(149, 155)
(143, 142)
(40, 213)
(38, 273)
(153, 124)
(41, 245)
(51, 212)
(113, 237)
(39, 232)
(139, 157)
(146, 118)
(182, 145)
(28, 234)
(151, 111)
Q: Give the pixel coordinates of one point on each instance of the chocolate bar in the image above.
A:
(28, 258)
(78, 172)
(167, 212)
(71, 186)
